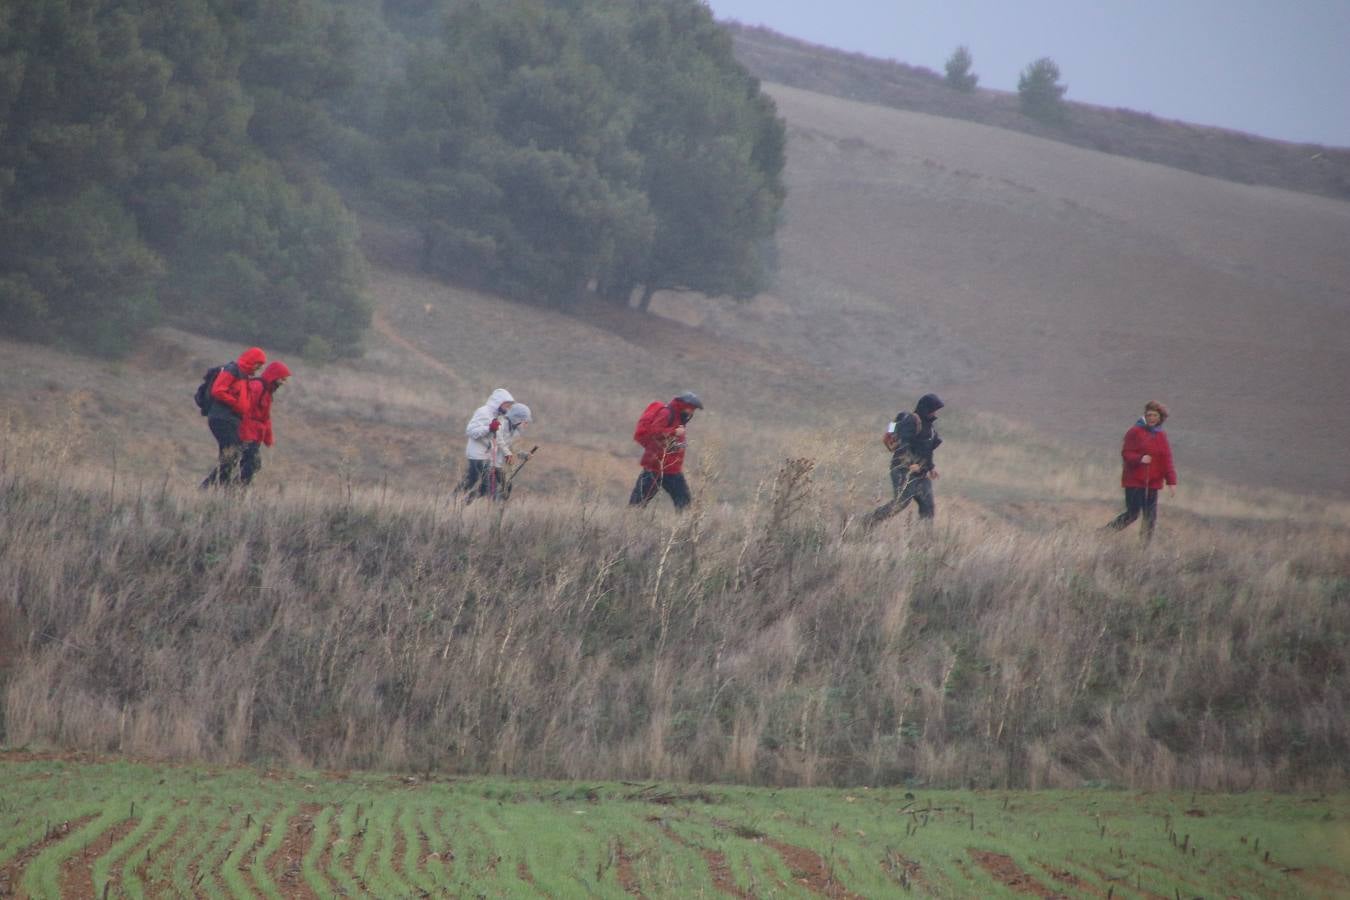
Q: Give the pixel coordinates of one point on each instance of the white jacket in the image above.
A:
(480, 438)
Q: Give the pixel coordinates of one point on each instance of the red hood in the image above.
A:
(275, 371)
(251, 359)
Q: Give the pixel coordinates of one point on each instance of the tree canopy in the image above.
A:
(958, 66)
(1039, 91)
(550, 149)
(194, 161)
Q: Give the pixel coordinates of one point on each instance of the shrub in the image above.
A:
(959, 75)
(1041, 94)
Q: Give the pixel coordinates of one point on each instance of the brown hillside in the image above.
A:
(1057, 286)
(1062, 286)
(1218, 152)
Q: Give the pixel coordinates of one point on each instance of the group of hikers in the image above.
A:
(238, 410)
(237, 402)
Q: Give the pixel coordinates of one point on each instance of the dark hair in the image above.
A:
(1158, 408)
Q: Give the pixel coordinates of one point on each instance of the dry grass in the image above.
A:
(348, 612)
(769, 641)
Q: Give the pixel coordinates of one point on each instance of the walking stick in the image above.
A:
(506, 485)
(492, 469)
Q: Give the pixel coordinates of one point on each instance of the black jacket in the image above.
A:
(917, 441)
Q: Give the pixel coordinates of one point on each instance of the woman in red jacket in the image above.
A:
(255, 430)
(1148, 465)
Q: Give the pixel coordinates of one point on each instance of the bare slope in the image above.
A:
(1064, 286)
(1220, 152)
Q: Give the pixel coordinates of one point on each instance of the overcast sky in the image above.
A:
(1278, 68)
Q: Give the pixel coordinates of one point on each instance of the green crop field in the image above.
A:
(75, 827)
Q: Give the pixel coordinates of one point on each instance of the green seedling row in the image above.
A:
(157, 829)
(140, 830)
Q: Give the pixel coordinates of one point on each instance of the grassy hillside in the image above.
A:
(1217, 152)
(350, 612)
(359, 620)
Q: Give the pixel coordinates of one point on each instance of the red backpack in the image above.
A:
(649, 418)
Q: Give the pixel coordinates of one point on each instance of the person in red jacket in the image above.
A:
(255, 431)
(228, 402)
(661, 433)
(1148, 466)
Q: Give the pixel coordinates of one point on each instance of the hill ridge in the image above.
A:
(1206, 150)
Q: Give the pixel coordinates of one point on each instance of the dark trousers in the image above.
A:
(250, 461)
(904, 489)
(226, 433)
(649, 483)
(482, 479)
(1138, 500)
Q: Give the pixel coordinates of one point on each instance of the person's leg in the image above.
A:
(678, 489)
(475, 480)
(1149, 506)
(893, 505)
(646, 487)
(1134, 502)
(921, 490)
(899, 477)
(226, 433)
(250, 461)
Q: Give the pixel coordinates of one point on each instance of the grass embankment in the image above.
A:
(85, 828)
(775, 643)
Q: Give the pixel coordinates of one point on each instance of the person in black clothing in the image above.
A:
(913, 438)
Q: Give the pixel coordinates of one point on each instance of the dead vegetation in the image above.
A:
(559, 639)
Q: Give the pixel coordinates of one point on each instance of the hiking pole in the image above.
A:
(506, 486)
(492, 468)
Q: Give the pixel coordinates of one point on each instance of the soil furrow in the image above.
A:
(77, 870)
(1009, 874)
(11, 874)
(285, 865)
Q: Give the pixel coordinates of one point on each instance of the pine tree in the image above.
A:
(959, 75)
(1040, 93)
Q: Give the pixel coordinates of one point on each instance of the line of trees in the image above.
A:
(1039, 93)
(195, 161)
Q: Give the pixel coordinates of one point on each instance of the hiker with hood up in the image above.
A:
(1147, 458)
(912, 439)
(255, 431)
(229, 402)
(661, 433)
(490, 431)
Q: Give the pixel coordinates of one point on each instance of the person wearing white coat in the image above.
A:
(490, 432)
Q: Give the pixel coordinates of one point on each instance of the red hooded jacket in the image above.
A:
(228, 388)
(257, 422)
(1152, 442)
(662, 451)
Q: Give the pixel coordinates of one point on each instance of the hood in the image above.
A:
(927, 405)
(498, 397)
(518, 415)
(275, 371)
(250, 360)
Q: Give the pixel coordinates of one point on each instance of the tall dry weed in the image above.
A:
(769, 643)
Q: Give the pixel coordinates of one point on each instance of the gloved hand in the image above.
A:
(496, 423)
